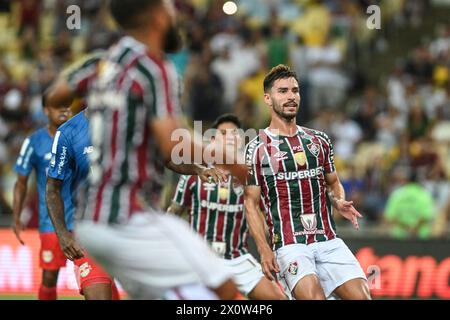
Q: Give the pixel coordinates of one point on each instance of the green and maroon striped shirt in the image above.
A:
(129, 90)
(291, 173)
(216, 212)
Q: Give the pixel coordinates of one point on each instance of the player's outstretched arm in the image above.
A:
(204, 173)
(269, 263)
(55, 207)
(20, 192)
(170, 148)
(337, 195)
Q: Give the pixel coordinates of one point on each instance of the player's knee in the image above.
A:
(266, 290)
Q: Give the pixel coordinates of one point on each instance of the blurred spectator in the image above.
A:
(29, 15)
(369, 107)
(410, 210)
(347, 133)
(205, 100)
(328, 84)
(418, 123)
(277, 47)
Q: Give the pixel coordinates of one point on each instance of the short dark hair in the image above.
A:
(128, 13)
(227, 117)
(279, 72)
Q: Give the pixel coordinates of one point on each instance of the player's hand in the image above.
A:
(213, 175)
(348, 211)
(72, 250)
(18, 227)
(269, 264)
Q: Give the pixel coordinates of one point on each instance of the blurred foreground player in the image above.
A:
(133, 108)
(35, 154)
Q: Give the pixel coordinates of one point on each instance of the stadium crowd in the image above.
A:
(387, 135)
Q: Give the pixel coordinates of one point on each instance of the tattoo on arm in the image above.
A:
(55, 205)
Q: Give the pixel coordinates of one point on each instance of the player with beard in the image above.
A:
(292, 169)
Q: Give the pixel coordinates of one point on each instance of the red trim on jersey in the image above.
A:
(161, 66)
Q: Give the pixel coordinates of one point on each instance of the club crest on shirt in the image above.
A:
(314, 149)
(300, 158)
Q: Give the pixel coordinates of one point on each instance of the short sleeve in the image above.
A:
(161, 87)
(252, 162)
(329, 155)
(183, 192)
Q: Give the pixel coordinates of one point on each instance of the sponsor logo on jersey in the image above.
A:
(309, 221)
(221, 206)
(304, 174)
(47, 256)
(293, 268)
(297, 148)
(314, 149)
(280, 155)
(62, 159)
(47, 156)
(85, 269)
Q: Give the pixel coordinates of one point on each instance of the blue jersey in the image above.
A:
(35, 154)
(70, 153)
